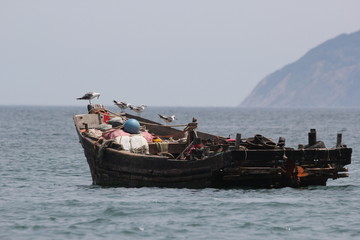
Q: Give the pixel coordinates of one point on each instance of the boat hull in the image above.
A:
(230, 167)
(233, 168)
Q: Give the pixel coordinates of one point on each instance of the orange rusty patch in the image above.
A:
(301, 172)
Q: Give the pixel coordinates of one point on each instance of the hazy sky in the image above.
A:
(159, 53)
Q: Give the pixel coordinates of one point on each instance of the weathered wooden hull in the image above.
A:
(265, 168)
(230, 168)
(122, 168)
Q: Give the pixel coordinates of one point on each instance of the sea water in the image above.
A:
(46, 190)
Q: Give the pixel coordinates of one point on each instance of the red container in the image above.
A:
(106, 118)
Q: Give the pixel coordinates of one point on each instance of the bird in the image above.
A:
(122, 105)
(89, 96)
(167, 119)
(138, 109)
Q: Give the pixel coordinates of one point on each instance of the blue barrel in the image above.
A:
(132, 126)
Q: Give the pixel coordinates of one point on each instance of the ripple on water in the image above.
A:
(46, 190)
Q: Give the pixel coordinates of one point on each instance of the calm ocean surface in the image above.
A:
(46, 190)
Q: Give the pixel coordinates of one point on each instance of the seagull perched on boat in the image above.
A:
(89, 96)
(167, 119)
(122, 105)
(138, 109)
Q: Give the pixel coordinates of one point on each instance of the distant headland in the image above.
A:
(326, 76)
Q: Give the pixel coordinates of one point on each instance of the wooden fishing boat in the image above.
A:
(192, 159)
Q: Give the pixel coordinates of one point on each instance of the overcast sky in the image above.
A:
(159, 52)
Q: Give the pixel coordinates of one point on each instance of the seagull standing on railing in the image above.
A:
(122, 105)
(89, 96)
(167, 119)
(138, 109)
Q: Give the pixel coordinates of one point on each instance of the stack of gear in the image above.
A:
(134, 141)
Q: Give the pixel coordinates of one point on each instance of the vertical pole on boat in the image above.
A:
(339, 140)
(312, 137)
(100, 118)
(281, 142)
(238, 140)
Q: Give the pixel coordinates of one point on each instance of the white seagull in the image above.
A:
(122, 105)
(167, 119)
(139, 109)
(89, 96)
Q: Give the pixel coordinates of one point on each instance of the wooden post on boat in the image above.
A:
(312, 137)
(281, 142)
(339, 140)
(238, 140)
